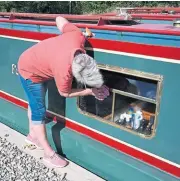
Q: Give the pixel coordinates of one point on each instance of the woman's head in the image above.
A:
(85, 70)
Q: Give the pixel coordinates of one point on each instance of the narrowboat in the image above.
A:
(131, 135)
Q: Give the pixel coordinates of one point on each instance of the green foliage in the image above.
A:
(107, 6)
(35, 6)
(78, 7)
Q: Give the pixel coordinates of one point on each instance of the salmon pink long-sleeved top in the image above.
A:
(52, 58)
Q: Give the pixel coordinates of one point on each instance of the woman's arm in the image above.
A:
(60, 22)
(99, 94)
(77, 93)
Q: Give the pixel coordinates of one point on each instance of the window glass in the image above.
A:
(132, 104)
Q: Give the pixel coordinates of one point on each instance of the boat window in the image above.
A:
(122, 22)
(84, 21)
(133, 102)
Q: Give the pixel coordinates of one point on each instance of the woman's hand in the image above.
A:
(105, 89)
(100, 93)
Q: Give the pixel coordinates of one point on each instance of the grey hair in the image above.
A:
(85, 70)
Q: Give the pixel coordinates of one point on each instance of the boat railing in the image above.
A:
(162, 10)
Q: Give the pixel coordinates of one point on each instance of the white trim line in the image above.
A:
(115, 139)
(136, 55)
(111, 51)
(16, 38)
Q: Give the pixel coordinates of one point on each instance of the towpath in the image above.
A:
(19, 164)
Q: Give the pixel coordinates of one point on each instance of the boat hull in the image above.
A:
(107, 150)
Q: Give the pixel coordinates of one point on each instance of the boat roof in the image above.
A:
(165, 27)
(98, 22)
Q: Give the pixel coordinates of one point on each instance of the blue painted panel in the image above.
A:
(17, 26)
(153, 39)
(156, 22)
(5, 25)
(10, 52)
(9, 57)
(49, 29)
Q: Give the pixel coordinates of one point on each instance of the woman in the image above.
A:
(61, 58)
